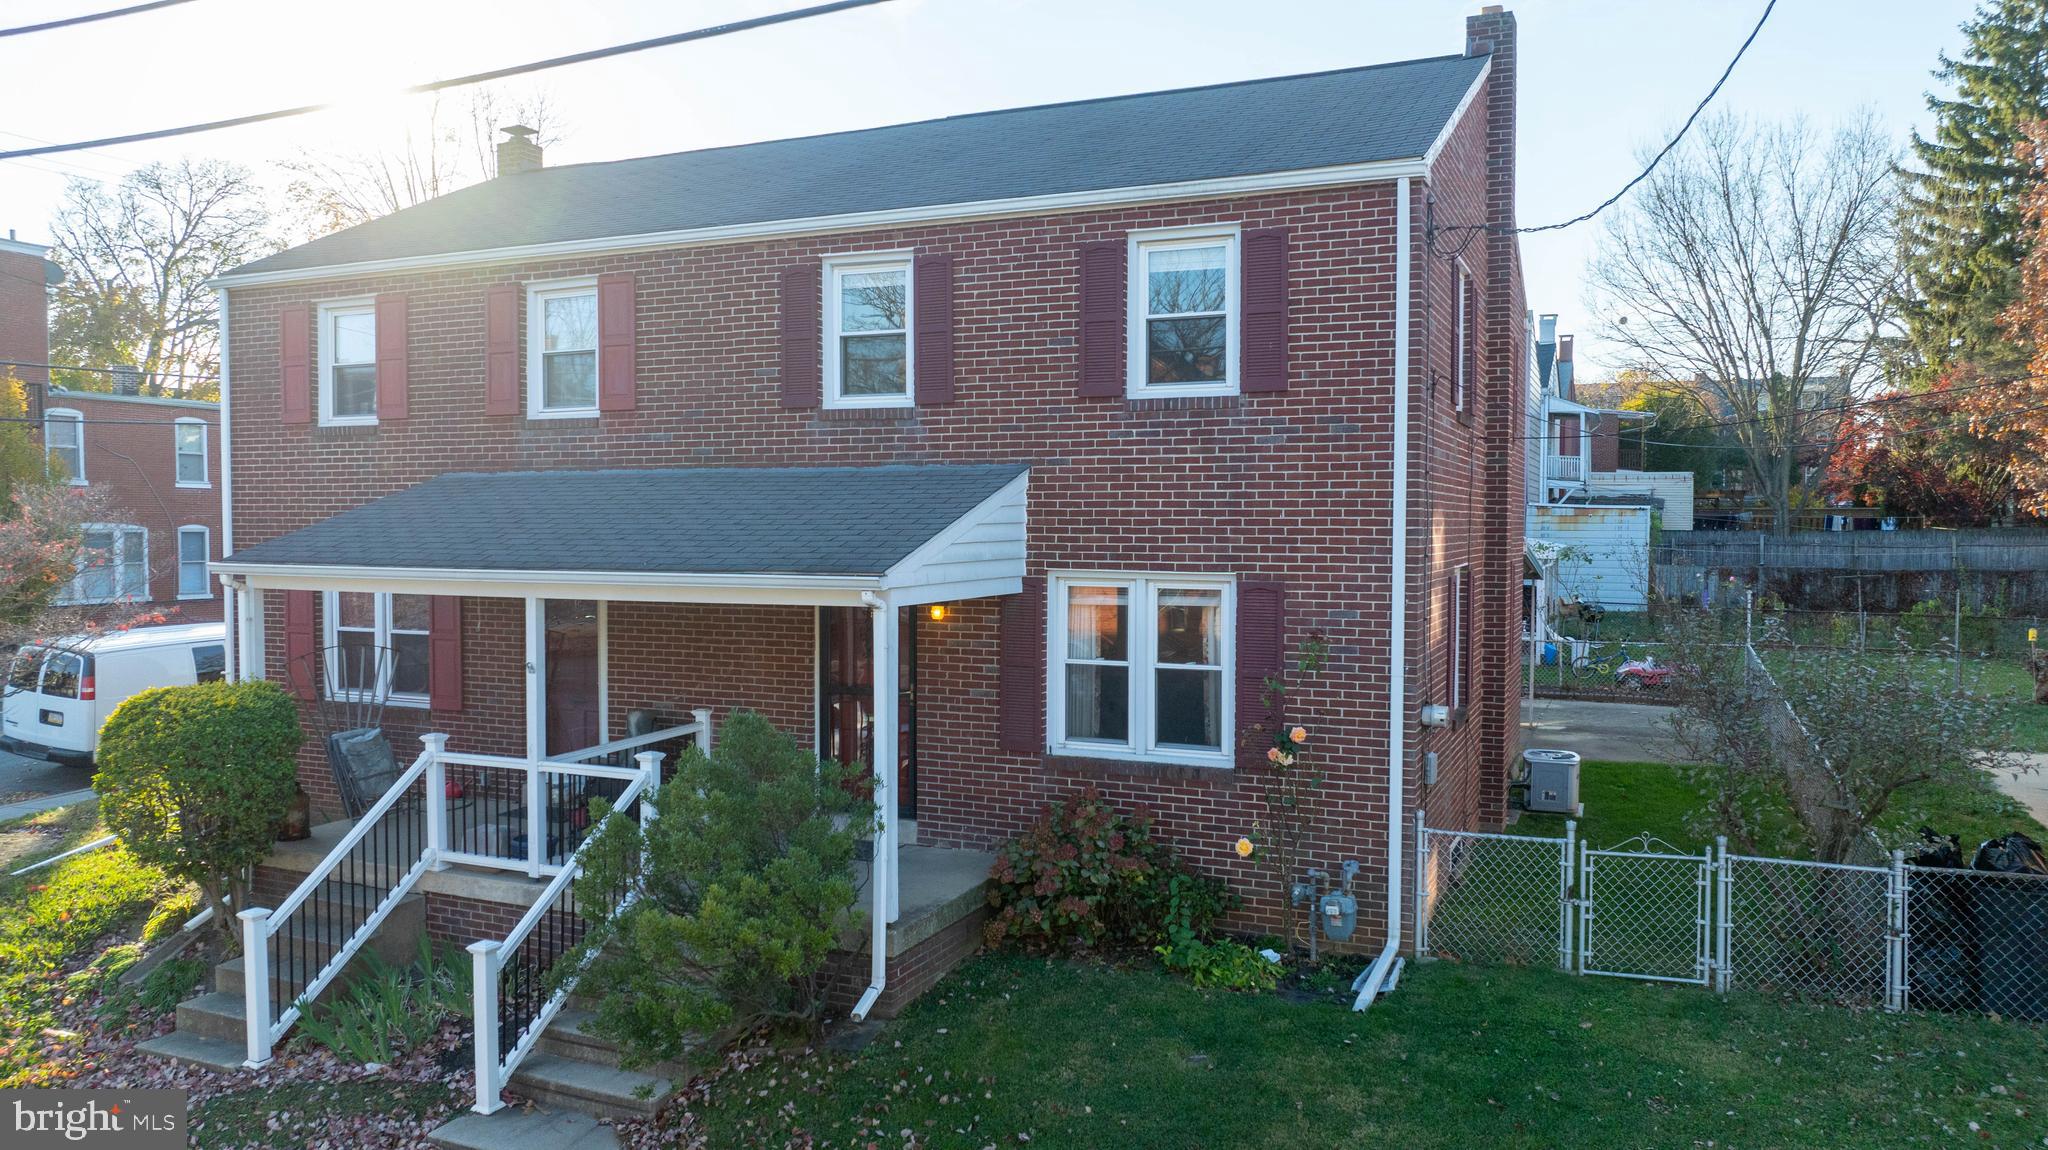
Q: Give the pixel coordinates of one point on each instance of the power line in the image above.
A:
(459, 81)
(90, 17)
(1654, 160)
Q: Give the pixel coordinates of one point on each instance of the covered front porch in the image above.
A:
(558, 636)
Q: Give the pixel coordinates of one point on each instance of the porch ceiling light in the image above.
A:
(938, 612)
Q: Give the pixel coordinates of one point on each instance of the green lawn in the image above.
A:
(1626, 799)
(291, 1114)
(1078, 1055)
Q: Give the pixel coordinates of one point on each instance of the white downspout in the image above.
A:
(882, 866)
(230, 607)
(1369, 983)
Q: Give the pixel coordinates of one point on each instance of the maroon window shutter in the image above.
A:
(299, 648)
(1020, 687)
(1102, 318)
(295, 362)
(1264, 309)
(615, 334)
(501, 350)
(444, 653)
(932, 304)
(802, 385)
(391, 356)
(1261, 654)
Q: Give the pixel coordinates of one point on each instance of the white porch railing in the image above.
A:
(1570, 468)
(492, 811)
(516, 991)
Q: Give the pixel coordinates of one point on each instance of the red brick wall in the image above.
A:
(24, 317)
(1292, 486)
(130, 453)
(1606, 442)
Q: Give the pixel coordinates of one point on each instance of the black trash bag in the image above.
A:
(1938, 850)
(2013, 854)
(2012, 928)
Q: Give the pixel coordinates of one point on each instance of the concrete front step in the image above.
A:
(599, 1091)
(523, 1128)
(570, 1036)
(193, 1050)
(213, 1015)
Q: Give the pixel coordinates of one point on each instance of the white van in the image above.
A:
(57, 694)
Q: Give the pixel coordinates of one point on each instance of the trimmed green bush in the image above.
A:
(193, 780)
(745, 883)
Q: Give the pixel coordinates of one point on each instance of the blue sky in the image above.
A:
(1600, 79)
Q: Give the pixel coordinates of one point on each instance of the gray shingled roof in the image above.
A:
(1359, 115)
(757, 520)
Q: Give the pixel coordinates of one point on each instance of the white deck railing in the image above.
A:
(448, 808)
(1570, 468)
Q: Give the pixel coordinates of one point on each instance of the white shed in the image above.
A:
(1605, 552)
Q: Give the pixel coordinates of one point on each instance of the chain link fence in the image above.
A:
(1895, 936)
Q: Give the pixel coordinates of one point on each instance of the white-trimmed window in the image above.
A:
(64, 442)
(868, 313)
(113, 565)
(189, 442)
(195, 547)
(1183, 312)
(1141, 667)
(348, 363)
(359, 624)
(561, 354)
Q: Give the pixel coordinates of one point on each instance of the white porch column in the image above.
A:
(249, 632)
(536, 737)
(231, 653)
(886, 724)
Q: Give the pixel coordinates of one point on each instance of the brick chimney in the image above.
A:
(127, 380)
(517, 152)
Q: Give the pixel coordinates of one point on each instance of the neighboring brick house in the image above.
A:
(502, 434)
(156, 458)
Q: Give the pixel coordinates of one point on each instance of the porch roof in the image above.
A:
(820, 534)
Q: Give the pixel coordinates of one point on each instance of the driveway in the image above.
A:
(1619, 732)
(27, 785)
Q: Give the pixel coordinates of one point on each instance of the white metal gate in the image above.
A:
(1645, 912)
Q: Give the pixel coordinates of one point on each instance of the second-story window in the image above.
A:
(1183, 318)
(189, 438)
(64, 440)
(561, 374)
(867, 332)
(348, 364)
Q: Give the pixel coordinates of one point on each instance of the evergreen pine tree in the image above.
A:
(1962, 229)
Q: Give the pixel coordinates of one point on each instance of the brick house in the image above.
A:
(155, 457)
(1073, 431)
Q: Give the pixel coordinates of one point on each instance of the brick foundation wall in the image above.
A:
(911, 973)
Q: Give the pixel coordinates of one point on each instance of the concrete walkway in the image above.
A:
(2029, 787)
(1618, 732)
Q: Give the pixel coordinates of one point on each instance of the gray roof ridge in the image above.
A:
(1083, 102)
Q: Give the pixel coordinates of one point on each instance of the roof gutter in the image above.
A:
(765, 580)
(1325, 177)
(1376, 976)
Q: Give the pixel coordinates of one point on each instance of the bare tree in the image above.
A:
(447, 141)
(1759, 261)
(136, 259)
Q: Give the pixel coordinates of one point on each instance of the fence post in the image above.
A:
(437, 801)
(536, 820)
(1564, 896)
(1585, 905)
(1897, 939)
(702, 715)
(484, 1011)
(1422, 876)
(256, 983)
(1724, 916)
(650, 774)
